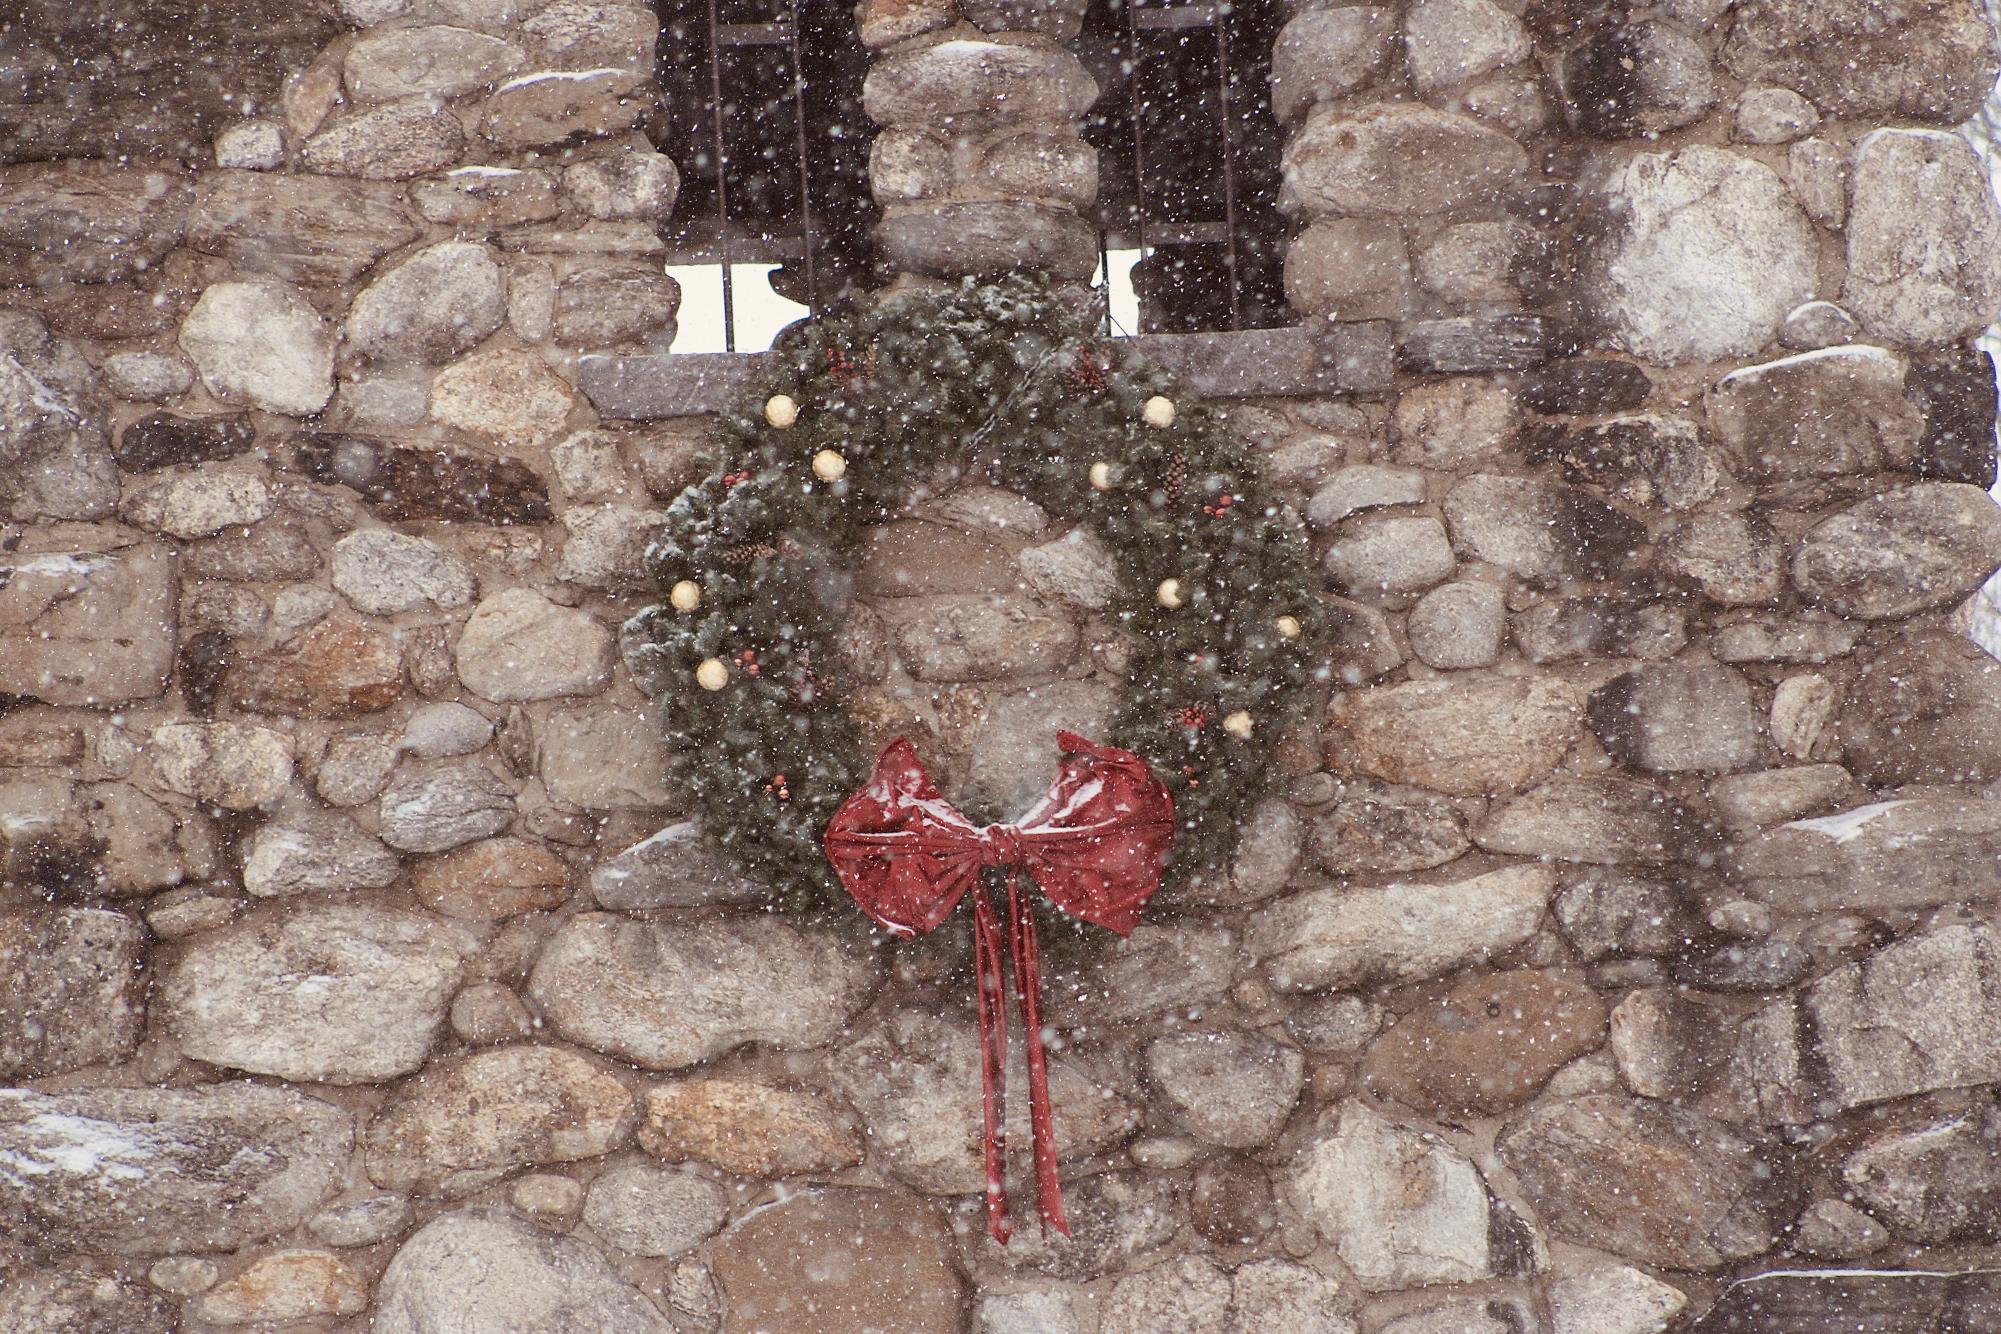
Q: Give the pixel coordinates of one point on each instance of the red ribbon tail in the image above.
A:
(993, 1058)
(1028, 990)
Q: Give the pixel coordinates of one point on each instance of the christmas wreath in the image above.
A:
(753, 561)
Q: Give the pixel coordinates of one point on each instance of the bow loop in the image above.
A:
(1095, 845)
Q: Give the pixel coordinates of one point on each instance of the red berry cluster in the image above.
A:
(1087, 372)
(1194, 717)
(748, 661)
(1221, 507)
(741, 475)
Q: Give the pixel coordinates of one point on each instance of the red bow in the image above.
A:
(1095, 846)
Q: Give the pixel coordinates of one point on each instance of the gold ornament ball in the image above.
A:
(829, 466)
(781, 411)
(1101, 476)
(1238, 724)
(1158, 412)
(1168, 594)
(1288, 627)
(713, 674)
(685, 595)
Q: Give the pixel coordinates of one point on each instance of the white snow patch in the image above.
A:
(44, 397)
(484, 171)
(1847, 352)
(1848, 824)
(962, 46)
(79, 1146)
(574, 75)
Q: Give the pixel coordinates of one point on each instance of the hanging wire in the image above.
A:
(722, 182)
(806, 233)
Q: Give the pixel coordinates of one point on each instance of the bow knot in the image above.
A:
(1000, 845)
(1095, 846)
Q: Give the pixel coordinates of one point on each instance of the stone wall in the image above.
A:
(1613, 955)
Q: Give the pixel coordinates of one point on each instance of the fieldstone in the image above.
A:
(1636, 81)
(845, 1260)
(1390, 554)
(342, 993)
(1488, 1044)
(914, 1079)
(603, 758)
(1343, 937)
(1643, 459)
(157, 1171)
(1925, 709)
(665, 995)
(1349, 269)
(583, 33)
(637, 183)
(980, 638)
(1731, 558)
(1607, 821)
(275, 551)
(72, 989)
(391, 142)
(1913, 853)
(483, 198)
(235, 765)
(1646, 1180)
(87, 627)
(340, 668)
(1158, 968)
(1783, 1300)
(1839, 410)
(1613, 1299)
(496, 878)
(1755, 801)
(305, 851)
(1232, 1089)
(438, 731)
(1363, 645)
(308, 229)
(1564, 629)
(1484, 343)
(1917, 1015)
(1459, 625)
(438, 807)
(645, 1209)
(361, 1222)
(1389, 159)
(1449, 43)
(354, 770)
(437, 61)
(1772, 116)
(673, 868)
(481, 1272)
(616, 303)
(1474, 262)
(85, 1294)
(1950, 385)
(1400, 1207)
(1076, 568)
(147, 376)
(430, 307)
(1901, 552)
(1324, 54)
(1803, 717)
(1231, 1201)
(1465, 735)
(1934, 1182)
(987, 237)
(1607, 913)
(505, 395)
(1363, 486)
(1927, 60)
(1924, 238)
(200, 502)
(474, 1119)
(263, 344)
(550, 107)
(1812, 639)
(1710, 254)
(604, 546)
(53, 461)
(1189, 1293)
(518, 646)
(1662, 1042)
(1834, 1230)
(402, 484)
(1268, 847)
(1679, 717)
(486, 1014)
(1817, 325)
(750, 1128)
(971, 77)
(89, 222)
(1454, 422)
(285, 1286)
(1372, 827)
(1539, 529)
(160, 439)
(144, 846)
(1037, 1311)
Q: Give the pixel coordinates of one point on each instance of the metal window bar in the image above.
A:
(1239, 33)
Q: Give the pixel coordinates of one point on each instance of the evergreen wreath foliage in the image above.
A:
(996, 371)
